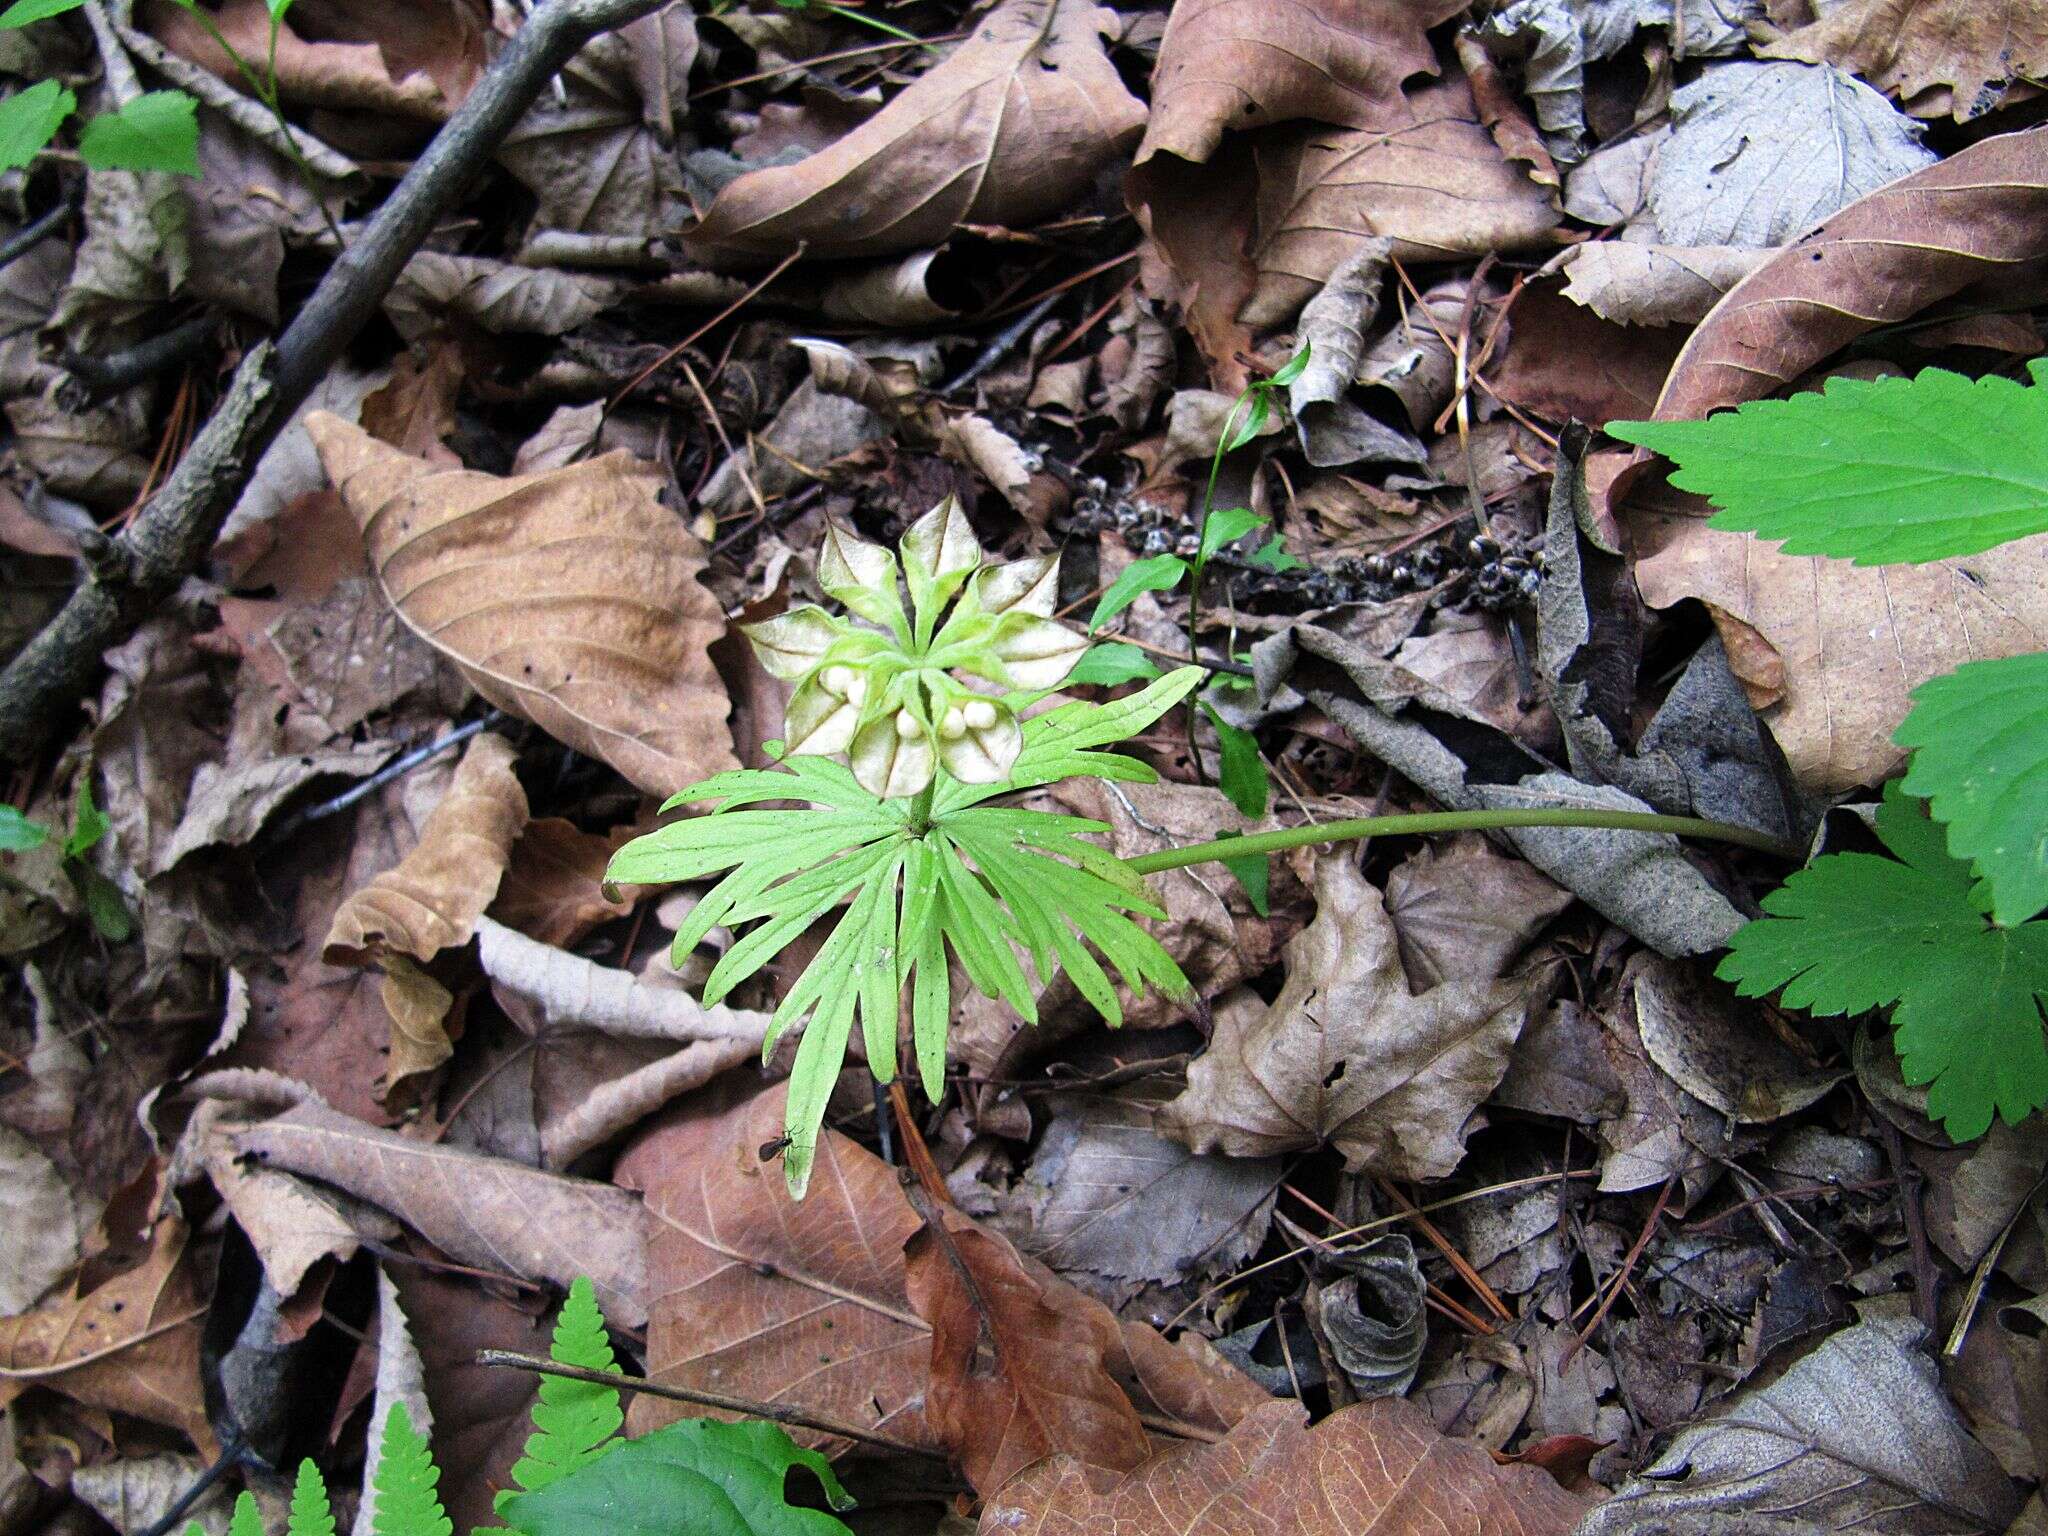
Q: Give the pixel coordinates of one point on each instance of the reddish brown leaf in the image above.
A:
(553, 890)
(1374, 1469)
(1882, 259)
(1013, 1377)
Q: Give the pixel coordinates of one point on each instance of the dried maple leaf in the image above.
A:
(1004, 130)
(129, 1345)
(1240, 64)
(1014, 1377)
(568, 597)
(1373, 1469)
(1348, 1055)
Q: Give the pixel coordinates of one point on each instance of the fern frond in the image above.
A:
(247, 1520)
(574, 1421)
(311, 1514)
(403, 1499)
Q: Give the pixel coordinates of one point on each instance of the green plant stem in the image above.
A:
(1255, 844)
(1198, 568)
(887, 28)
(265, 91)
(921, 808)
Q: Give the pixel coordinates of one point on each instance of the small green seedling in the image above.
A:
(102, 898)
(1946, 933)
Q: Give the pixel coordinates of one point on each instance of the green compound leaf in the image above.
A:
(1160, 573)
(30, 119)
(1877, 471)
(1111, 664)
(574, 1421)
(311, 1515)
(698, 1476)
(1856, 931)
(247, 1520)
(157, 131)
(18, 834)
(23, 12)
(404, 1501)
(1979, 737)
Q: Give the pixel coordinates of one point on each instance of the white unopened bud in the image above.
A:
(906, 724)
(837, 680)
(856, 690)
(980, 715)
(954, 726)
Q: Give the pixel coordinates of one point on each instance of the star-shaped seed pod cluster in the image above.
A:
(881, 685)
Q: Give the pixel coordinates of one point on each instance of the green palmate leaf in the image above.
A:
(1857, 931)
(1979, 737)
(403, 1499)
(697, 1476)
(29, 119)
(1111, 664)
(157, 131)
(1878, 471)
(22, 12)
(1243, 777)
(1226, 527)
(574, 1421)
(1159, 573)
(18, 834)
(311, 1515)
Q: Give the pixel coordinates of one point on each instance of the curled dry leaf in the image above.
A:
(1004, 130)
(1014, 1376)
(1233, 64)
(129, 1345)
(1349, 1055)
(1374, 1469)
(568, 597)
(497, 1215)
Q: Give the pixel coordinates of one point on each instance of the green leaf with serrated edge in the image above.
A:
(1273, 556)
(697, 1477)
(1112, 664)
(574, 1421)
(18, 834)
(1158, 573)
(23, 12)
(703, 845)
(311, 1514)
(29, 119)
(403, 1499)
(1979, 737)
(1856, 931)
(1226, 526)
(247, 1520)
(157, 131)
(88, 823)
(981, 931)
(1877, 471)
(1243, 777)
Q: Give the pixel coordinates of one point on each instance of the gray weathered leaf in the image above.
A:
(1633, 284)
(1761, 152)
(1374, 1317)
(1856, 1437)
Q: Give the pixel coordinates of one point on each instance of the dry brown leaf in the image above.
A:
(1976, 48)
(351, 75)
(129, 1345)
(1240, 64)
(1348, 1054)
(1004, 130)
(809, 1302)
(1373, 1469)
(499, 1216)
(1633, 284)
(1568, 364)
(553, 890)
(1882, 259)
(433, 899)
(1427, 175)
(1014, 1377)
(569, 598)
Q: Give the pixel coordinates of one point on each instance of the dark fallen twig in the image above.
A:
(1006, 338)
(172, 534)
(29, 236)
(779, 1413)
(112, 372)
(396, 769)
(231, 1456)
